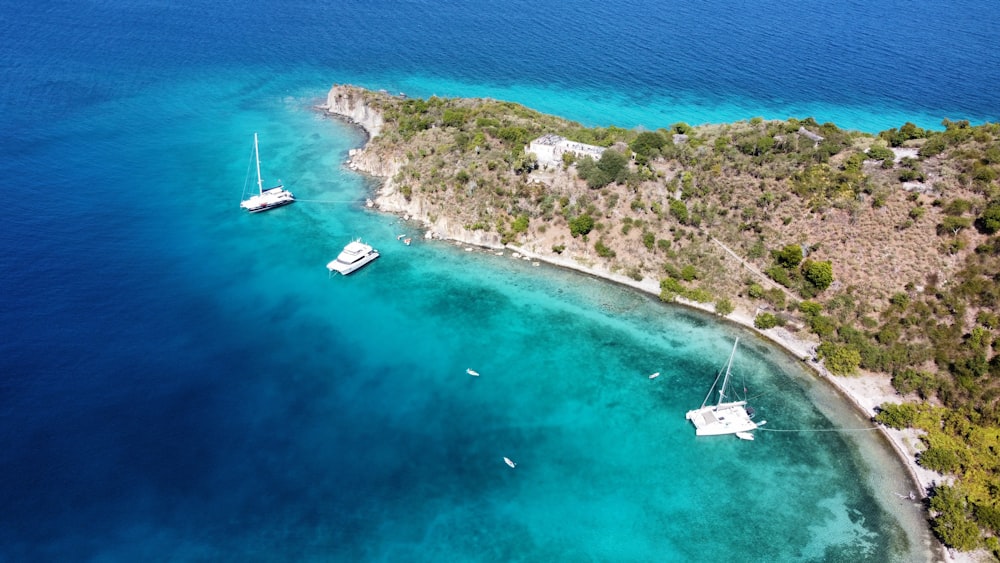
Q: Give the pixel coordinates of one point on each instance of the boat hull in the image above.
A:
(345, 269)
(269, 206)
(715, 421)
(267, 200)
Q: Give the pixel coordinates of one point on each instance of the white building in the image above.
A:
(550, 148)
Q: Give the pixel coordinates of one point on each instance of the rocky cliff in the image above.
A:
(364, 108)
(354, 105)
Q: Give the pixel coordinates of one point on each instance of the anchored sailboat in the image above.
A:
(263, 199)
(732, 417)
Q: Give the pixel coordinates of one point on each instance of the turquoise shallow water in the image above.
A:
(181, 381)
(238, 403)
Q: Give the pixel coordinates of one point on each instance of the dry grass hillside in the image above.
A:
(462, 161)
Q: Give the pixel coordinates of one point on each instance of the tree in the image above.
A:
(681, 128)
(957, 207)
(581, 225)
(520, 224)
(612, 167)
(765, 321)
(989, 221)
(839, 359)
(670, 289)
(897, 415)
(953, 225)
(933, 146)
(810, 308)
(516, 137)
(603, 250)
(724, 307)
(689, 273)
(953, 523)
(647, 143)
(454, 117)
(648, 239)
(679, 210)
(942, 460)
(818, 273)
(614, 164)
(879, 152)
(790, 256)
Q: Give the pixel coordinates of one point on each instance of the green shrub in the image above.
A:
(670, 288)
(779, 274)
(647, 143)
(810, 308)
(839, 359)
(942, 460)
(603, 250)
(878, 152)
(789, 257)
(898, 416)
(822, 325)
(818, 273)
(765, 321)
(724, 307)
(581, 225)
(933, 146)
(520, 224)
(953, 524)
(648, 239)
(679, 210)
(689, 273)
(698, 294)
(989, 221)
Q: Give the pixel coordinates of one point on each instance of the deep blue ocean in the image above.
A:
(180, 381)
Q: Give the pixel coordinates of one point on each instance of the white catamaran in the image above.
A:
(263, 199)
(732, 417)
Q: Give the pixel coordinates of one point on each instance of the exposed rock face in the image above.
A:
(352, 103)
(361, 107)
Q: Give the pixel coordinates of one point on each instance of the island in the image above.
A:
(875, 259)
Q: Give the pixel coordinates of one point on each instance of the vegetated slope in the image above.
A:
(883, 246)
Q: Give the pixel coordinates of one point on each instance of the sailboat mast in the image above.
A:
(256, 153)
(725, 380)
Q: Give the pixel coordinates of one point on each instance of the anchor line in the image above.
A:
(819, 429)
(328, 201)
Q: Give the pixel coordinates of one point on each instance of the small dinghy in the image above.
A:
(744, 435)
(472, 372)
(654, 375)
(509, 462)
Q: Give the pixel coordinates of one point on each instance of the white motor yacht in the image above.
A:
(355, 255)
